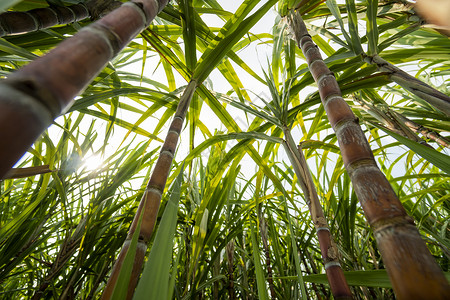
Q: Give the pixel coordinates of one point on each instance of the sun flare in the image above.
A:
(92, 163)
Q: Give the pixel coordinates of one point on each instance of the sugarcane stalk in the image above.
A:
(20, 22)
(32, 97)
(426, 132)
(391, 121)
(424, 91)
(230, 263)
(413, 272)
(330, 253)
(15, 173)
(150, 201)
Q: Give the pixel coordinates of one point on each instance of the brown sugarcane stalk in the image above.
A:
(412, 270)
(19, 22)
(149, 204)
(28, 172)
(230, 263)
(432, 96)
(426, 132)
(32, 97)
(330, 253)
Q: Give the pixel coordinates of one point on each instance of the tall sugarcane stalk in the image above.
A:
(412, 270)
(330, 253)
(32, 97)
(150, 201)
(432, 96)
(19, 22)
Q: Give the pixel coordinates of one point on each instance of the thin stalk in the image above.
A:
(230, 262)
(426, 132)
(413, 271)
(330, 253)
(151, 199)
(32, 97)
(390, 120)
(15, 173)
(265, 241)
(432, 96)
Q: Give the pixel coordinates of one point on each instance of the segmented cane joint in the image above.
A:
(383, 226)
(28, 92)
(108, 36)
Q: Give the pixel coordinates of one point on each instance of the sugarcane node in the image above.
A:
(114, 42)
(21, 21)
(140, 5)
(65, 15)
(171, 143)
(305, 38)
(312, 54)
(309, 46)
(353, 166)
(37, 92)
(147, 12)
(46, 17)
(78, 8)
(155, 190)
(35, 20)
(318, 67)
(74, 16)
(380, 226)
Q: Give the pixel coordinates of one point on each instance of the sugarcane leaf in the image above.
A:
(334, 8)
(217, 51)
(13, 49)
(438, 159)
(189, 35)
(353, 26)
(372, 27)
(260, 277)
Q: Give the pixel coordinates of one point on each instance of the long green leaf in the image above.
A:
(438, 159)
(211, 58)
(260, 277)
